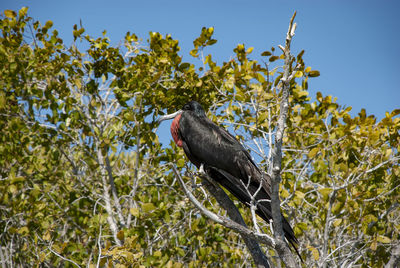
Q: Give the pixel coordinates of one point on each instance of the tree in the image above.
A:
(86, 182)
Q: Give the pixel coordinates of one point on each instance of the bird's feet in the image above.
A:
(201, 169)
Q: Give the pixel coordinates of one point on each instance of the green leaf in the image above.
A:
(3, 100)
(23, 230)
(184, 66)
(48, 24)
(337, 222)
(273, 58)
(313, 73)
(147, 207)
(211, 42)
(299, 194)
(374, 245)
(249, 50)
(10, 13)
(23, 11)
(134, 212)
(266, 53)
(194, 53)
(395, 112)
(12, 189)
(383, 239)
(314, 252)
(302, 226)
(298, 74)
(325, 192)
(300, 55)
(121, 235)
(180, 163)
(157, 254)
(313, 152)
(78, 83)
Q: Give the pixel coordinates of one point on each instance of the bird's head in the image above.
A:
(191, 106)
(194, 107)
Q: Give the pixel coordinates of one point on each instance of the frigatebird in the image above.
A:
(225, 160)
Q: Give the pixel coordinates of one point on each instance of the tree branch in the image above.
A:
(282, 247)
(395, 257)
(106, 196)
(65, 259)
(235, 222)
(233, 212)
(326, 230)
(114, 191)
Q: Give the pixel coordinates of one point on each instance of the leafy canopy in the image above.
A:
(84, 179)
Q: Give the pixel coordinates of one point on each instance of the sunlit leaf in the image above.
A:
(298, 74)
(147, 207)
(383, 239)
(10, 13)
(134, 212)
(313, 152)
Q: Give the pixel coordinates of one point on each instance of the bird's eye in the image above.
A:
(186, 107)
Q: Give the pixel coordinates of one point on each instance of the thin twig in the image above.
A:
(262, 238)
(62, 257)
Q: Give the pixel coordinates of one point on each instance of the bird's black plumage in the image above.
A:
(225, 160)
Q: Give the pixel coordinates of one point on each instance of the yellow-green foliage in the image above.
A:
(77, 135)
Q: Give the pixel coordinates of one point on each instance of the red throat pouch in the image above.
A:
(175, 129)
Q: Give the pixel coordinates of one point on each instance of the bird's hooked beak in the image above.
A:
(168, 116)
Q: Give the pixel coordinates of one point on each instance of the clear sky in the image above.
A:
(353, 43)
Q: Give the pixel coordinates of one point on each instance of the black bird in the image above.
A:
(225, 160)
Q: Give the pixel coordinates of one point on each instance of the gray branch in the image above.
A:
(281, 246)
(235, 222)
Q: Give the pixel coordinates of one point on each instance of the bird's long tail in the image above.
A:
(263, 208)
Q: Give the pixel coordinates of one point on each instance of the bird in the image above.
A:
(225, 160)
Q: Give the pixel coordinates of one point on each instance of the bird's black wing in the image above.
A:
(232, 139)
(206, 143)
(229, 163)
(242, 194)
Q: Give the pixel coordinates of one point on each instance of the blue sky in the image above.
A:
(354, 44)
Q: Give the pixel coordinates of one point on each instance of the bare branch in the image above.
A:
(395, 258)
(106, 196)
(326, 229)
(62, 257)
(238, 226)
(282, 248)
(99, 246)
